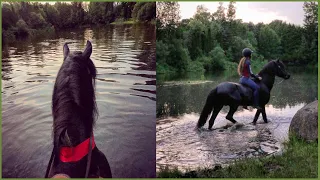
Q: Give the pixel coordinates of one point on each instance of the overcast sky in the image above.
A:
(291, 12)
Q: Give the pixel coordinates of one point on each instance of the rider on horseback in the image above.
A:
(244, 70)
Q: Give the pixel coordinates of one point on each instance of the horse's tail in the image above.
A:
(208, 107)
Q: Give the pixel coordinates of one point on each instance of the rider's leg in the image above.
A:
(255, 89)
(243, 81)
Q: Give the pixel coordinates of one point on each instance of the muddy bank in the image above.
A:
(179, 145)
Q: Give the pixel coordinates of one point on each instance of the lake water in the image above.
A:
(124, 56)
(180, 102)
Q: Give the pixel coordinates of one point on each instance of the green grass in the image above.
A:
(300, 160)
(122, 21)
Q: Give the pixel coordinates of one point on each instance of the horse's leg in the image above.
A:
(205, 112)
(264, 115)
(233, 109)
(256, 117)
(215, 112)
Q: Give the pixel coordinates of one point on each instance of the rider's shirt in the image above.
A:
(246, 72)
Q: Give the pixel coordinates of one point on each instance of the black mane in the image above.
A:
(73, 102)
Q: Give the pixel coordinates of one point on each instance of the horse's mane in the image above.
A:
(73, 102)
(267, 68)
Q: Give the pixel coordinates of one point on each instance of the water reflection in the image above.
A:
(179, 104)
(178, 98)
(126, 94)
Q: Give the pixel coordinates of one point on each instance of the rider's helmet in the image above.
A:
(246, 52)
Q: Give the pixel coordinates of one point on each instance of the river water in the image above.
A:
(180, 102)
(124, 56)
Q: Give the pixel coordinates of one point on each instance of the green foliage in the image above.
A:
(144, 11)
(220, 15)
(311, 30)
(167, 13)
(269, 43)
(26, 19)
(22, 28)
(178, 56)
(216, 40)
(195, 67)
(218, 58)
(231, 14)
(9, 17)
(36, 21)
(101, 12)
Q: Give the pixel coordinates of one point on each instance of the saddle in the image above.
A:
(246, 93)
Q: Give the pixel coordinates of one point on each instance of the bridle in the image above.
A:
(88, 159)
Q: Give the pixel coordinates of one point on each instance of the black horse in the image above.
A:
(74, 111)
(235, 94)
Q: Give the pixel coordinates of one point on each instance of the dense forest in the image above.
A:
(210, 42)
(22, 19)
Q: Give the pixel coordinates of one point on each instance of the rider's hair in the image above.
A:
(240, 66)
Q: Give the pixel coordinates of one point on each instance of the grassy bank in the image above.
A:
(122, 21)
(300, 160)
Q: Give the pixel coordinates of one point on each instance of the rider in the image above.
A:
(244, 70)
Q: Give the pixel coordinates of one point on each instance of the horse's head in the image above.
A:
(73, 108)
(279, 69)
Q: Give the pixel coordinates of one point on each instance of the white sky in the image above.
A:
(291, 12)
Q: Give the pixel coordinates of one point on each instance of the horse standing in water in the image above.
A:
(74, 110)
(235, 94)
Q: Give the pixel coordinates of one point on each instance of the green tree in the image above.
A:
(22, 28)
(220, 14)
(218, 57)
(9, 17)
(311, 30)
(144, 11)
(269, 43)
(52, 14)
(202, 14)
(167, 13)
(36, 21)
(231, 14)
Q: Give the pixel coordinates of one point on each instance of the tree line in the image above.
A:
(21, 19)
(210, 42)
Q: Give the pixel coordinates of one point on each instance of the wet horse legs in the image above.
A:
(232, 110)
(215, 112)
(264, 115)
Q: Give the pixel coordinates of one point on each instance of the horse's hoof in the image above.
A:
(254, 123)
(197, 128)
(265, 121)
(238, 125)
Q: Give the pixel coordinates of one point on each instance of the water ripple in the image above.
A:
(125, 100)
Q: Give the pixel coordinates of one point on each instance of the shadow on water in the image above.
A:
(125, 90)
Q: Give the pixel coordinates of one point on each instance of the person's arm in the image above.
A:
(250, 71)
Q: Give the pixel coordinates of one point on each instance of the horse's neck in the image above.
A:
(267, 79)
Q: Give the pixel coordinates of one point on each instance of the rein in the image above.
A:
(280, 82)
(64, 155)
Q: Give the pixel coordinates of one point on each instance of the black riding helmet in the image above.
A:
(246, 52)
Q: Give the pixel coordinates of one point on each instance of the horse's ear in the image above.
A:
(278, 60)
(87, 52)
(66, 50)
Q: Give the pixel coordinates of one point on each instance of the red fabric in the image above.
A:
(245, 71)
(73, 154)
